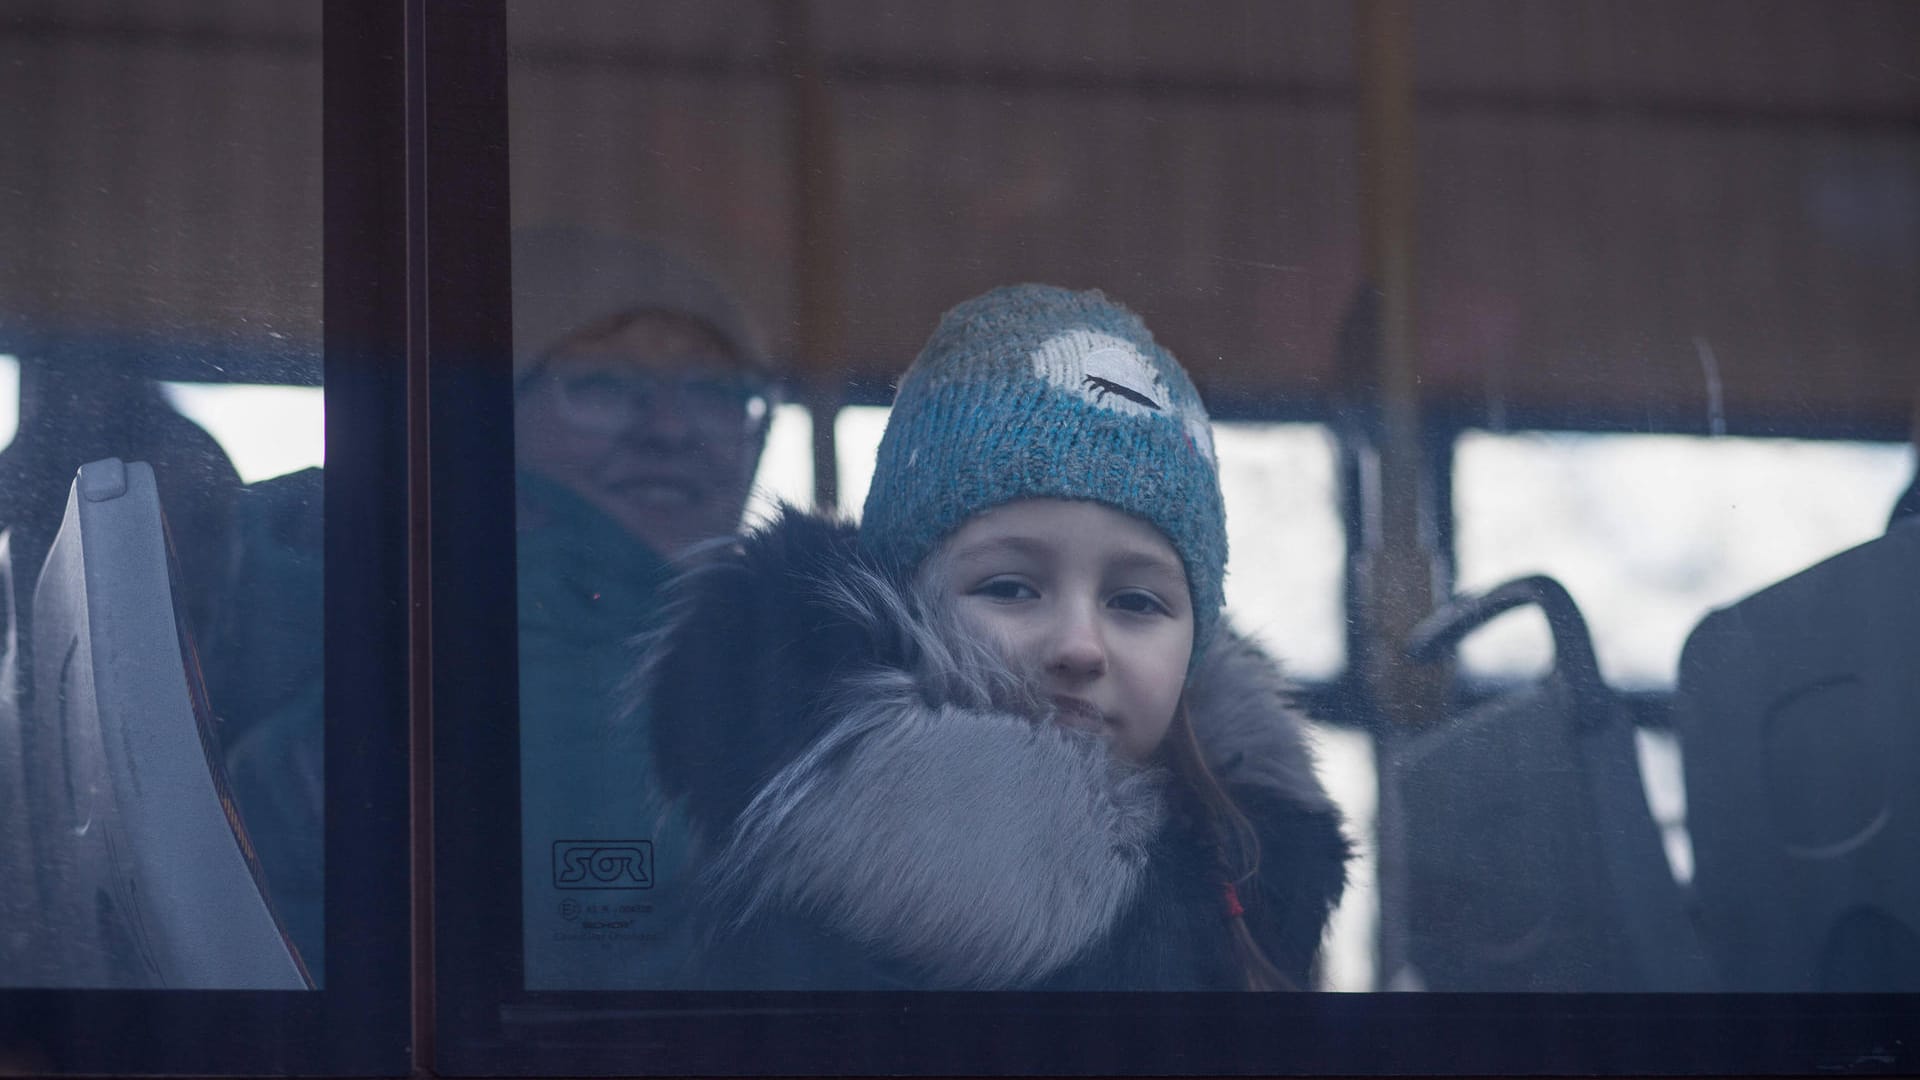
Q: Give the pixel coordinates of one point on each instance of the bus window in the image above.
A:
(1454, 286)
(268, 431)
(857, 434)
(1650, 532)
(785, 474)
(160, 500)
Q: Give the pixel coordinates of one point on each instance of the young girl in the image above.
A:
(996, 736)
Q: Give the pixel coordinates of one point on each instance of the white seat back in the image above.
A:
(147, 879)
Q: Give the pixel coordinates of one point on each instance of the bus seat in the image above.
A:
(1532, 861)
(267, 679)
(147, 877)
(86, 408)
(19, 884)
(1799, 708)
(268, 649)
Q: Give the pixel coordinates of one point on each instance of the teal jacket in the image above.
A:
(603, 859)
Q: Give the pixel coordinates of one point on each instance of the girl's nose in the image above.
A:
(1075, 647)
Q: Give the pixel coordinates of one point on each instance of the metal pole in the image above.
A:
(1396, 572)
(1398, 583)
(818, 266)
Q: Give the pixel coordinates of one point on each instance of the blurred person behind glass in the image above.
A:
(641, 407)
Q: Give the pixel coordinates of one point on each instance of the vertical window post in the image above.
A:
(818, 266)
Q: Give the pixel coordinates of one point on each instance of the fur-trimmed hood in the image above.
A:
(849, 757)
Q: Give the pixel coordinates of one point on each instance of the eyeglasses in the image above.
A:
(609, 403)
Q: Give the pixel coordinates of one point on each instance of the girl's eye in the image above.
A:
(1139, 603)
(1005, 589)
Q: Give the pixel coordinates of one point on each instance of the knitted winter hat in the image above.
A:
(566, 278)
(1032, 391)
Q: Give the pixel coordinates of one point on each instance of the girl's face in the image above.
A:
(1096, 598)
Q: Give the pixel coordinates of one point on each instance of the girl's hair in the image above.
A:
(1234, 842)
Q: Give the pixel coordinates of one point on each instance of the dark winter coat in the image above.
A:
(586, 587)
(882, 811)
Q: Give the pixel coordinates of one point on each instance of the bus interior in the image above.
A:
(1562, 358)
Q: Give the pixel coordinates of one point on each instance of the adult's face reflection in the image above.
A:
(653, 422)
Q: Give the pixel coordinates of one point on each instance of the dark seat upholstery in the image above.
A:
(267, 680)
(1531, 860)
(87, 409)
(1800, 710)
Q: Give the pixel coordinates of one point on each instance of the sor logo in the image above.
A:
(603, 864)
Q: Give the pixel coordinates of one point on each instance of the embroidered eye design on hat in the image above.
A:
(1105, 370)
(1123, 373)
(1111, 373)
(1101, 387)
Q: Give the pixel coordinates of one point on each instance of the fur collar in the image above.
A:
(852, 757)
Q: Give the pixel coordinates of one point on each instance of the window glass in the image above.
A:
(785, 474)
(161, 707)
(1598, 245)
(857, 434)
(671, 270)
(1650, 532)
(1351, 956)
(1287, 588)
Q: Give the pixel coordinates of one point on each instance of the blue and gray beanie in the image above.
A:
(1032, 391)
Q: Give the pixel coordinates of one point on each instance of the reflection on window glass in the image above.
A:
(267, 431)
(644, 429)
(626, 477)
(1650, 532)
(798, 163)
